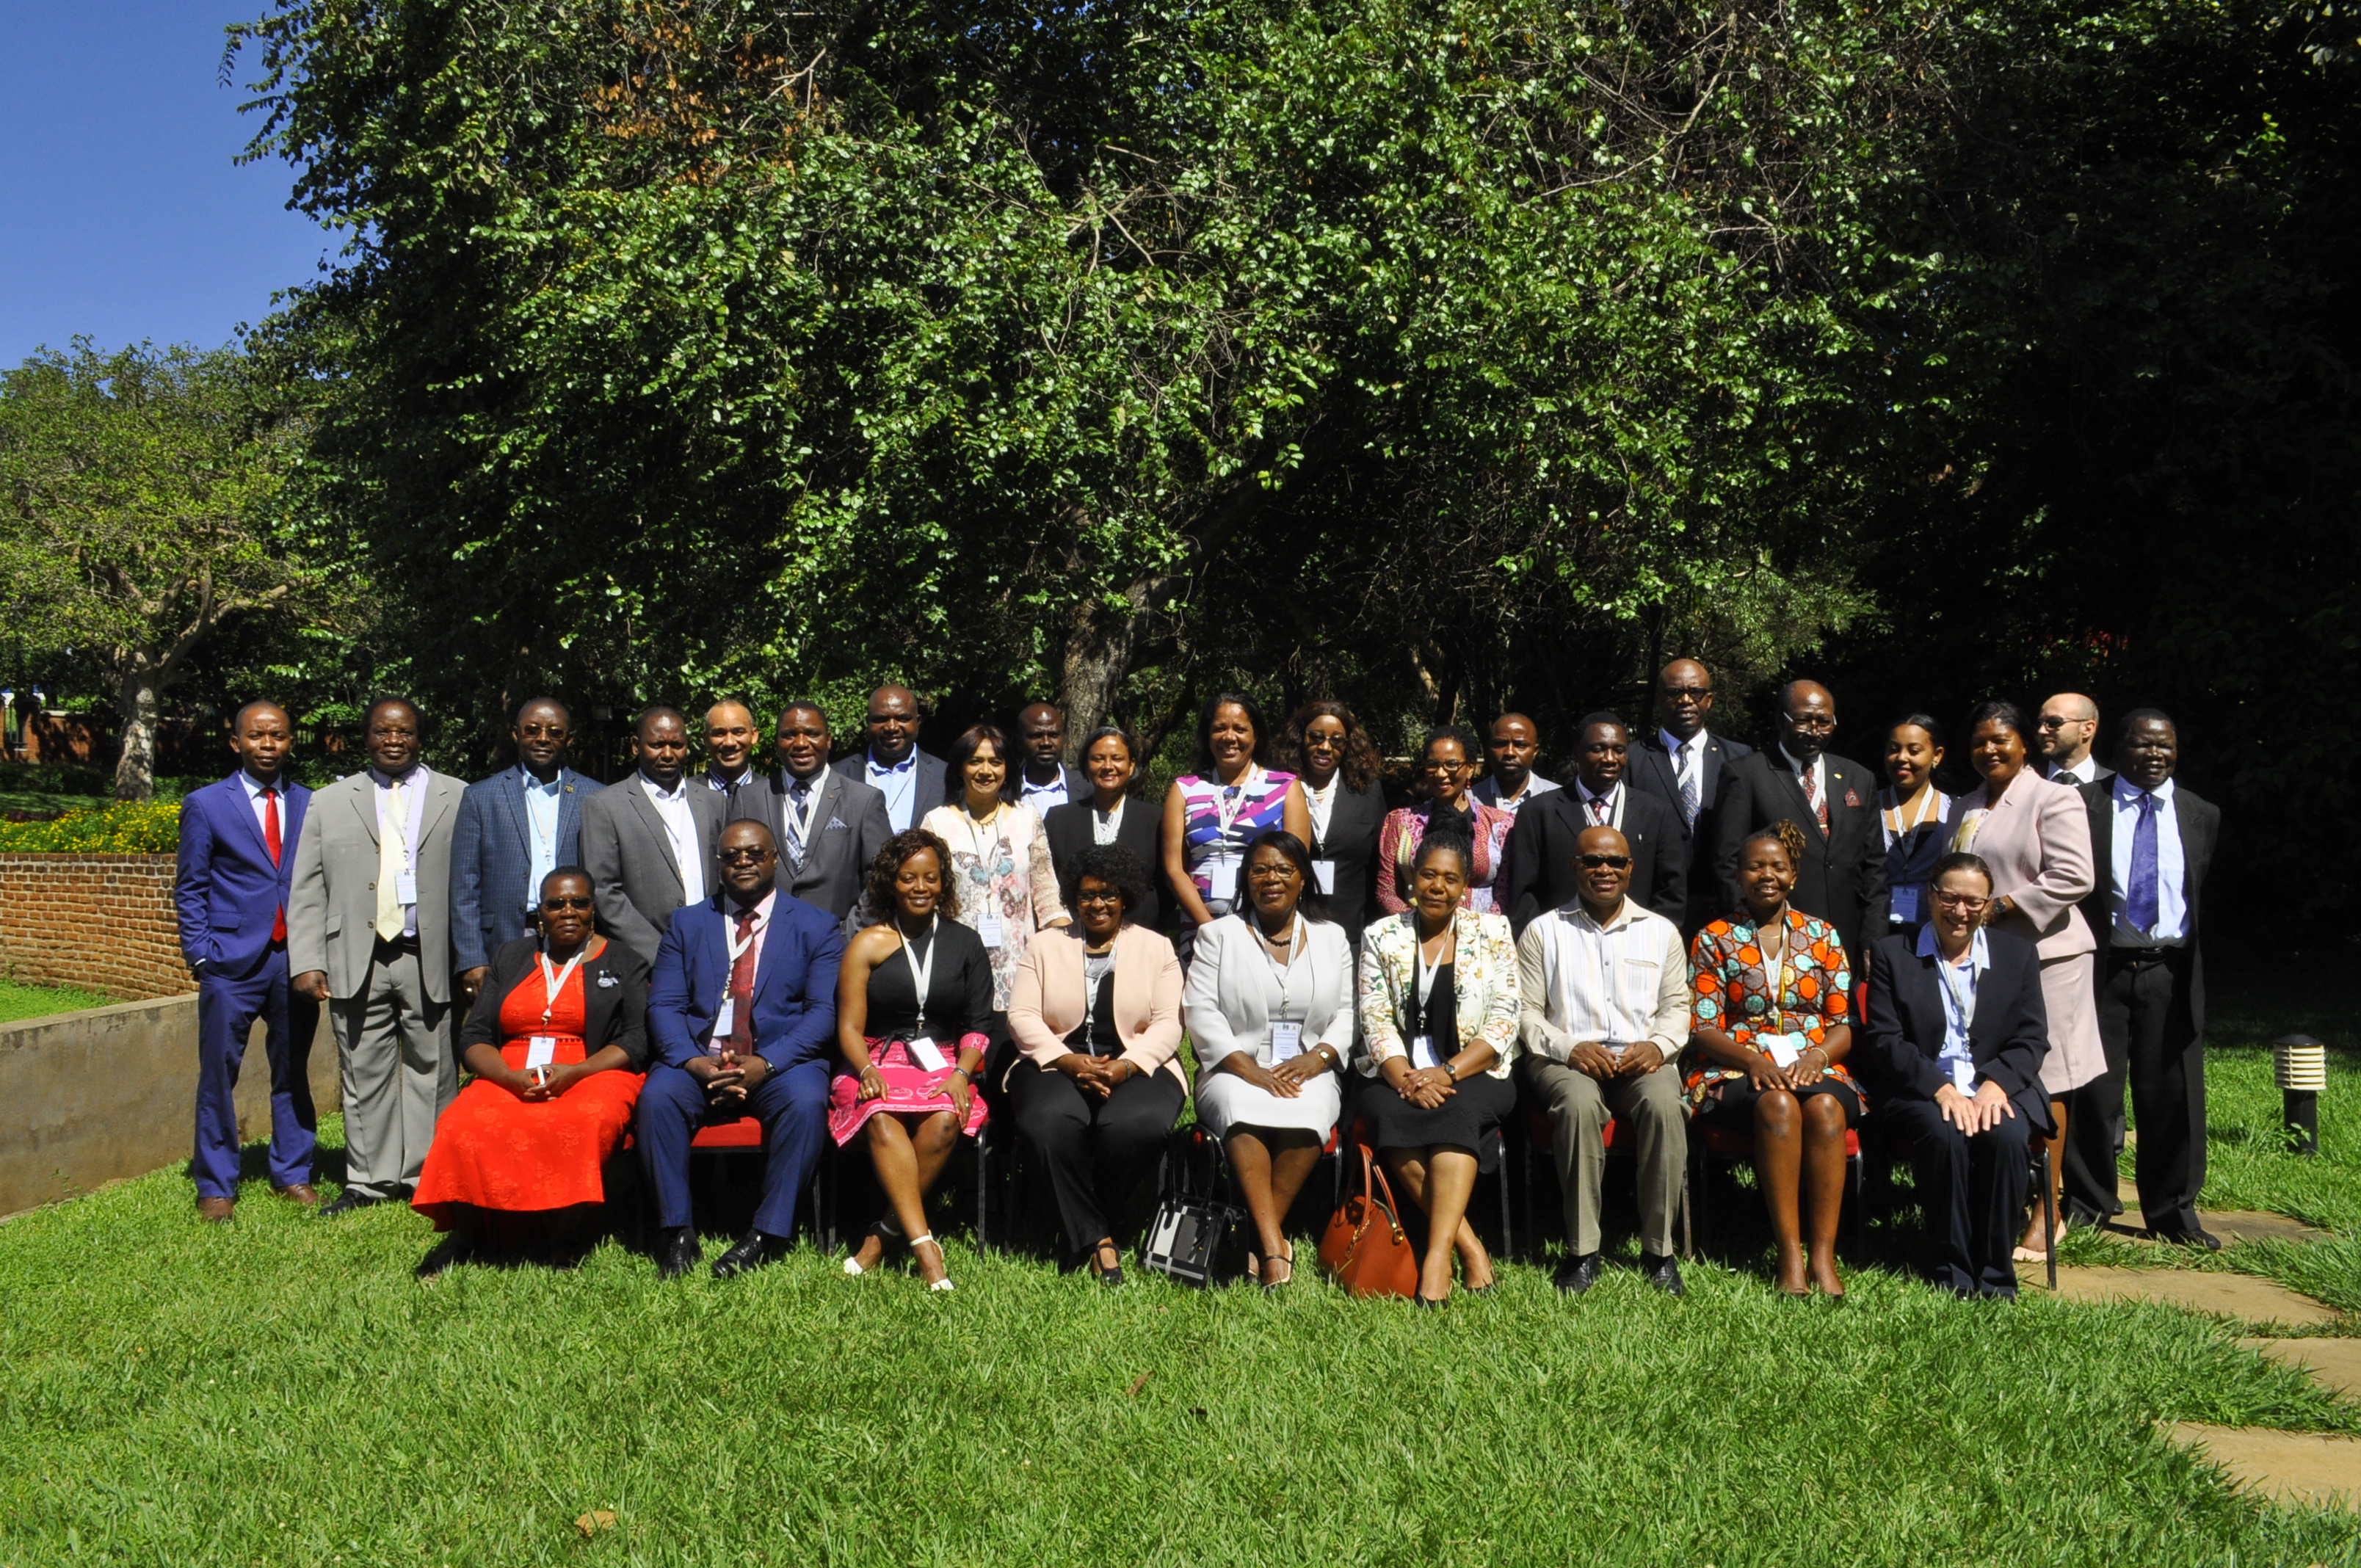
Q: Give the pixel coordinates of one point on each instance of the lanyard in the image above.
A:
(1106, 825)
(553, 982)
(1426, 973)
(975, 839)
(1895, 827)
(1613, 802)
(1295, 945)
(1963, 997)
(1778, 1019)
(922, 975)
(811, 810)
(1322, 803)
(1228, 812)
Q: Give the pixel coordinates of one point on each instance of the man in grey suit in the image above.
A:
(1046, 779)
(515, 828)
(648, 842)
(368, 934)
(828, 825)
(910, 780)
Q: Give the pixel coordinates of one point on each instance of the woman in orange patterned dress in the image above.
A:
(556, 1042)
(1770, 986)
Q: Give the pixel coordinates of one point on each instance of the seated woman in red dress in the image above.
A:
(556, 1041)
(913, 1008)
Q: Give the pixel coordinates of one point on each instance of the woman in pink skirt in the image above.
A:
(913, 1003)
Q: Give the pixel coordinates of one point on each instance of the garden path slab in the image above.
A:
(2308, 1468)
(2333, 1363)
(2240, 1296)
(2232, 1225)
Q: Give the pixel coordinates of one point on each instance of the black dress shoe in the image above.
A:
(2204, 1239)
(678, 1252)
(346, 1203)
(753, 1251)
(1663, 1274)
(1578, 1274)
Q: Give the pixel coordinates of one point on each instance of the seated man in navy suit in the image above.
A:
(742, 1018)
(1957, 1036)
(238, 853)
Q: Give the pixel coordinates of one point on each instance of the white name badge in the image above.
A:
(725, 1021)
(540, 1050)
(1905, 904)
(405, 888)
(1783, 1048)
(1963, 1077)
(1286, 1041)
(989, 929)
(1323, 876)
(925, 1053)
(1221, 880)
(1421, 1053)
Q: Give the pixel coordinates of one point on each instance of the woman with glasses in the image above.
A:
(1095, 1010)
(556, 1042)
(1915, 817)
(1447, 767)
(1230, 793)
(2035, 835)
(1269, 1010)
(1336, 764)
(1003, 884)
(1957, 1037)
(913, 1016)
(1111, 816)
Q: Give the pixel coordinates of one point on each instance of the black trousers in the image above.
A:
(1973, 1190)
(1097, 1151)
(2149, 1032)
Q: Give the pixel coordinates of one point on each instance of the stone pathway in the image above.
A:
(2240, 1296)
(2309, 1469)
(2333, 1363)
(2232, 1225)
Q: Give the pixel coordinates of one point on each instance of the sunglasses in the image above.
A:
(750, 856)
(1592, 862)
(553, 906)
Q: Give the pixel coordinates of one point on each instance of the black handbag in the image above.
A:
(1193, 1237)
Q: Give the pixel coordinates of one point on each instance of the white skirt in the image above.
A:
(1226, 1101)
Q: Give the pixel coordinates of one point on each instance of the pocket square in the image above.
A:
(1852, 797)
(834, 822)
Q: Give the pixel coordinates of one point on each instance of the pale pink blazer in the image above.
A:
(2037, 841)
(1049, 991)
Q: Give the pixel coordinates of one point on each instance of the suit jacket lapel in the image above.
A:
(1708, 773)
(512, 797)
(364, 798)
(652, 822)
(569, 804)
(441, 794)
(774, 940)
(243, 810)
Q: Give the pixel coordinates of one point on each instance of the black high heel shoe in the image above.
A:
(1111, 1275)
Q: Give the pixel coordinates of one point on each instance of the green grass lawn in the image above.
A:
(39, 1001)
(281, 1391)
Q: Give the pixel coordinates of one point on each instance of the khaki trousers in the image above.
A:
(1578, 1107)
(393, 1048)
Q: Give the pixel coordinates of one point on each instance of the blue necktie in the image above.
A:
(2139, 898)
(801, 793)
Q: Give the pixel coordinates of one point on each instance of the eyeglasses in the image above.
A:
(1443, 765)
(1593, 862)
(1815, 722)
(1686, 693)
(1962, 901)
(553, 906)
(2051, 721)
(1100, 896)
(751, 855)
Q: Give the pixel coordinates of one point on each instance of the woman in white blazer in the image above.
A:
(2036, 835)
(1270, 1006)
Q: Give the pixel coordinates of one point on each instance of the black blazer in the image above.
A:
(1352, 843)
(1537, 872)
(614, 999)
(1068, 829)
(2200, 828)
(1842, 879)
(1650, 770)
(2009, 1038)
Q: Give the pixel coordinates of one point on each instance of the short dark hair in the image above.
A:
(1469, 746)
(237, 719)
(1315, 904)
(2000, 711)
(1918, 721)
(1201, 764)
(1450, 830)
(963, 751)
(657, 710)
(801, 705)
(389, 700)
(2142, 716)
(1582, 731)
(1784, 833)
(1113, 865)
(559, 872)
(1961, 861)
(886, 864)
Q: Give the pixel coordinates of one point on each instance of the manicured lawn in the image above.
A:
(39, 1001)
(282, 1391)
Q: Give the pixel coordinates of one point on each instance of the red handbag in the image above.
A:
(1364, 1248)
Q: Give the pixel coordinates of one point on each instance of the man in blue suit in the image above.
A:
(741, 1015)
(515, 828)
(238, 853)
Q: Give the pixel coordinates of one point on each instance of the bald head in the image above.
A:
(2069, 724)
(892, 728)
(730, 739)
(1683, 698)
(1807, 718)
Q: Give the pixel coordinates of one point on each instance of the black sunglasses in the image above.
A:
(554, 905)
(750, 856)
(1592, 862)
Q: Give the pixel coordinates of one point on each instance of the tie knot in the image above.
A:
(745, 921)
(269, 793)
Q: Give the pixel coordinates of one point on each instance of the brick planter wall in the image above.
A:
(100, 922)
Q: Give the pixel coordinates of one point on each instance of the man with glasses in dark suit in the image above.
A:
(1684, 764)
(1831, 798)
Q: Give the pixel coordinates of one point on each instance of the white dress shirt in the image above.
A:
(898, 783)
(254, 788)
(1488, 790)
(2172, 864)
(1321, 803)
(1591, 809)
(413, 807)
(1815, 779)
(1615, 984)
(680, 826)
(1689, 770)
(1957, 984)
(541, 828)
(2082, 772)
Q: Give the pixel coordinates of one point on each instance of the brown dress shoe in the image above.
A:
(216, 1208)
(301, 1193)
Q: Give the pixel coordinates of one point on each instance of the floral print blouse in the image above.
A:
(1733, 970)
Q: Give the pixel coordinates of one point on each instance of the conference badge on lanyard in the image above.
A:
(725, 1017)
(922, 1049)
(541, 1050)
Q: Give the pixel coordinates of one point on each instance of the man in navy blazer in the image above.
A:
(741, 1015)
(1957, 1036)
(515, 828)
(237, 854)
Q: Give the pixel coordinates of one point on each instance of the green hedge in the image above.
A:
(129, 828)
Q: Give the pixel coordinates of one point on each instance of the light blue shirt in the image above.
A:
(1957, 984)
(2171, 865)
(1042, 796)
(541, 828)
(897, 783)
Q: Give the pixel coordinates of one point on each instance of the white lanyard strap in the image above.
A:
(1295, 945)
(1964, 996)
(1426, 972)
(737, 945)
(975, 838)
(1226, 811)
(803, 825)
(553, 982)
(1895, 827)
(922, 974)
(1778, 979)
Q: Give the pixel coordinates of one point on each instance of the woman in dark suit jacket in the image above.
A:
(1336, 764)
(1957, 1037)
(1112, 816)
(556, 1041)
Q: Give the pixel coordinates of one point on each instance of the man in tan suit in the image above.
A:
(368, 933)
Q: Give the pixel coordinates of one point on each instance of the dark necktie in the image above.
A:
(2140, 896)
(741, 987)
(1688, 782)
(799, 795)
(271, 841)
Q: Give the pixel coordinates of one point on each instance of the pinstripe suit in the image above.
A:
(491, 859)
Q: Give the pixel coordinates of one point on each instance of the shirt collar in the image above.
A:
(1579, 911)
(904, 766)
(255, 787)
(384, 780)
(721, 780)
(1672, 743)
(2127, 793)
(732, 908)
(658, 791)
(552, 787)
(1979, 947)
(1027, 786)
(803, 787)
(1585, 793)
(1800, 768)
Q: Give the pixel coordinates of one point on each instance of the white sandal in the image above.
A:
(945, 1282)
(885, 1232)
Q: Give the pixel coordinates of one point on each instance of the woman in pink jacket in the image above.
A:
(2036, 836)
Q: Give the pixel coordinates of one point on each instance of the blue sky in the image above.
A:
(122, 216)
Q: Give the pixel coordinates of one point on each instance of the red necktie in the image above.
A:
(742, 989)
(270, 841)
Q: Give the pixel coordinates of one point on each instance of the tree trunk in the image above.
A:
(138, 699)
(1098, 656)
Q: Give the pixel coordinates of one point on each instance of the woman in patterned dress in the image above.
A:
(1004, 882)
(1229, 797)
(1770, 986)
(1447, 767)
